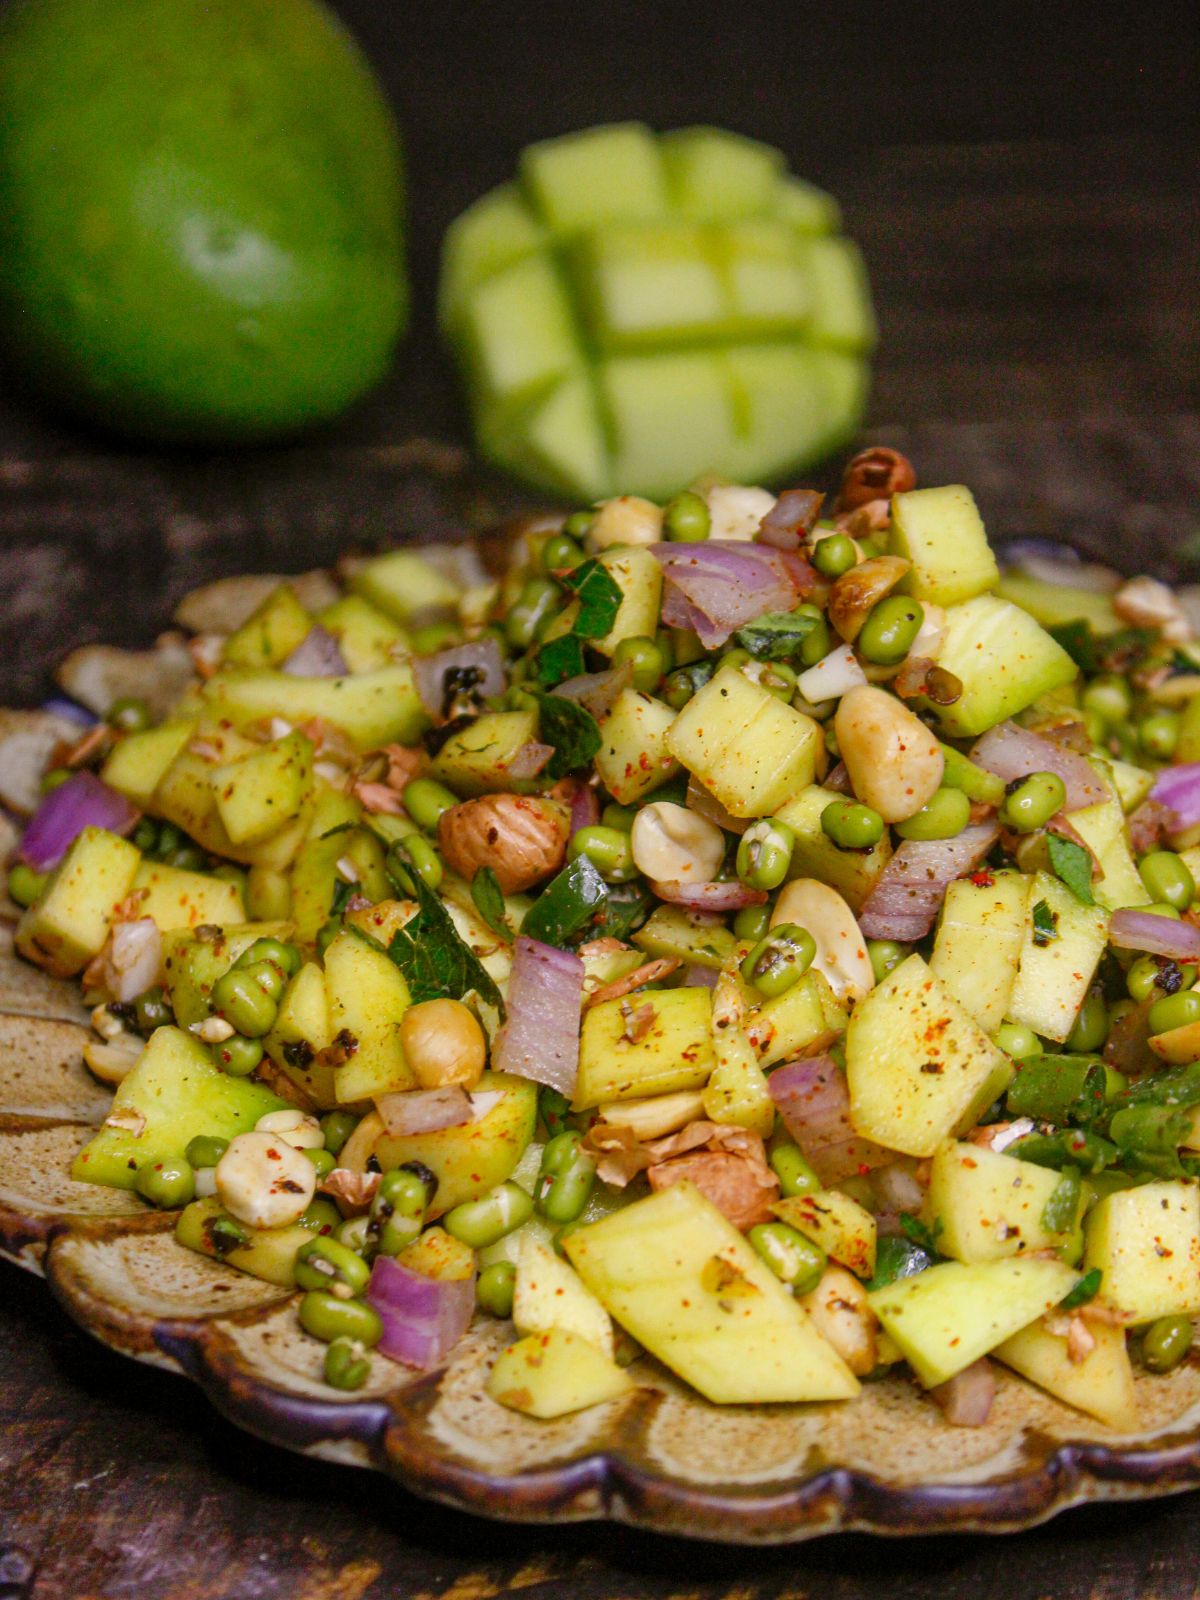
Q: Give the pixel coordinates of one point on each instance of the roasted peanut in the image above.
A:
(443, 1044)
(841, 949)
(1149, 603)
(672, 844)
(296, 1128)
(894, 761)
(842, 1314)
(522, 838)
(875, 474)
(857, 591)
(264, 1182)
(736, 510)
(626, 520)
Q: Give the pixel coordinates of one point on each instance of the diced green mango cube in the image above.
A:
(1056, 972)
(270, 633)
(1146, 1243)
(1098, 1382)
(917, 1066)
(984, 1205)
(648, 285)
(367, 1001)
(1055, 603)
(555, 1373)
(518, 331)
(682, 1279)
(941, 532)
(600, 175)
(69, 922)
(674, 1052)
(853, 873)
(1004, 659)
(137, 763)
(404, 585)
(634, 758)
(259, 793)
(948, 1316)
(476, 760)
(752, 751)
(715, 176)
(269, 1253)
(173, 1093)
(177, 898)
(489, 236)
(979, 942)
(371, 708)
(367, 637)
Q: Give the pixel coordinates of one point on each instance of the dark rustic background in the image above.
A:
(1023, 178)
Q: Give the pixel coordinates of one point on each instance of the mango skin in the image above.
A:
(202, 236)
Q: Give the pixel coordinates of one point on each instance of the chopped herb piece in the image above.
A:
(916, 1232)
(626, 906)
(489, 902)
(343, 893)
(342, 827)
(898, 1258)
(1073, 866)
(559, 660)
(1045, 924)
(429, 951)
(571, 729)
(777, 636)
(1067, 1147)
(567, 903)
(1078, 640)
(1086, 1289)
(600, 599)
(1061, 1209)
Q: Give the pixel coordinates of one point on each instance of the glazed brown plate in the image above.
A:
(660, 1457)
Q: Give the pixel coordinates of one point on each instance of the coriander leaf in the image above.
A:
(571, 729)
(777, 636)
(1073, 866)
(917, 1233)
(567, 904)
(489, 902)
(430, 952)
(559, 660)
(1045, 924)
(1086, 1289)
(600, 599)
(342, 827)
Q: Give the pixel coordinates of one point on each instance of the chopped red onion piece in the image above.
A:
(722, 584)
(83, 801)
(1178, 788)
(1157, 936)
(424, 1110)
(584, 804)
(318, 655)
(1011, 752)
(597, 691)
(705, 804)
(791, 517)
(529, 760)
(540, 1039)
(729, 895)
(479, 661)
(813, 1100)
(966, 1398)
(59, 706)
(909, 892)
(423, 1318)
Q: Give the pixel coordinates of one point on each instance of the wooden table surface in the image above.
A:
(1035, 266)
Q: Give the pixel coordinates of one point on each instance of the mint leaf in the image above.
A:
(489, 902)
(600, 599)
(626, 906)
(1045, 924)
(1073, 866)
(1059, 1212)
(571, 729)
(559, 660)
(429, 951)
(1086, 1289)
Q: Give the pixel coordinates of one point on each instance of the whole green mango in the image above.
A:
(201, 214)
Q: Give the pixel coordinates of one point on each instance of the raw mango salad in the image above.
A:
(752, 932)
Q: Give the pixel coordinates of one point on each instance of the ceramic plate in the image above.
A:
(661, 1457)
